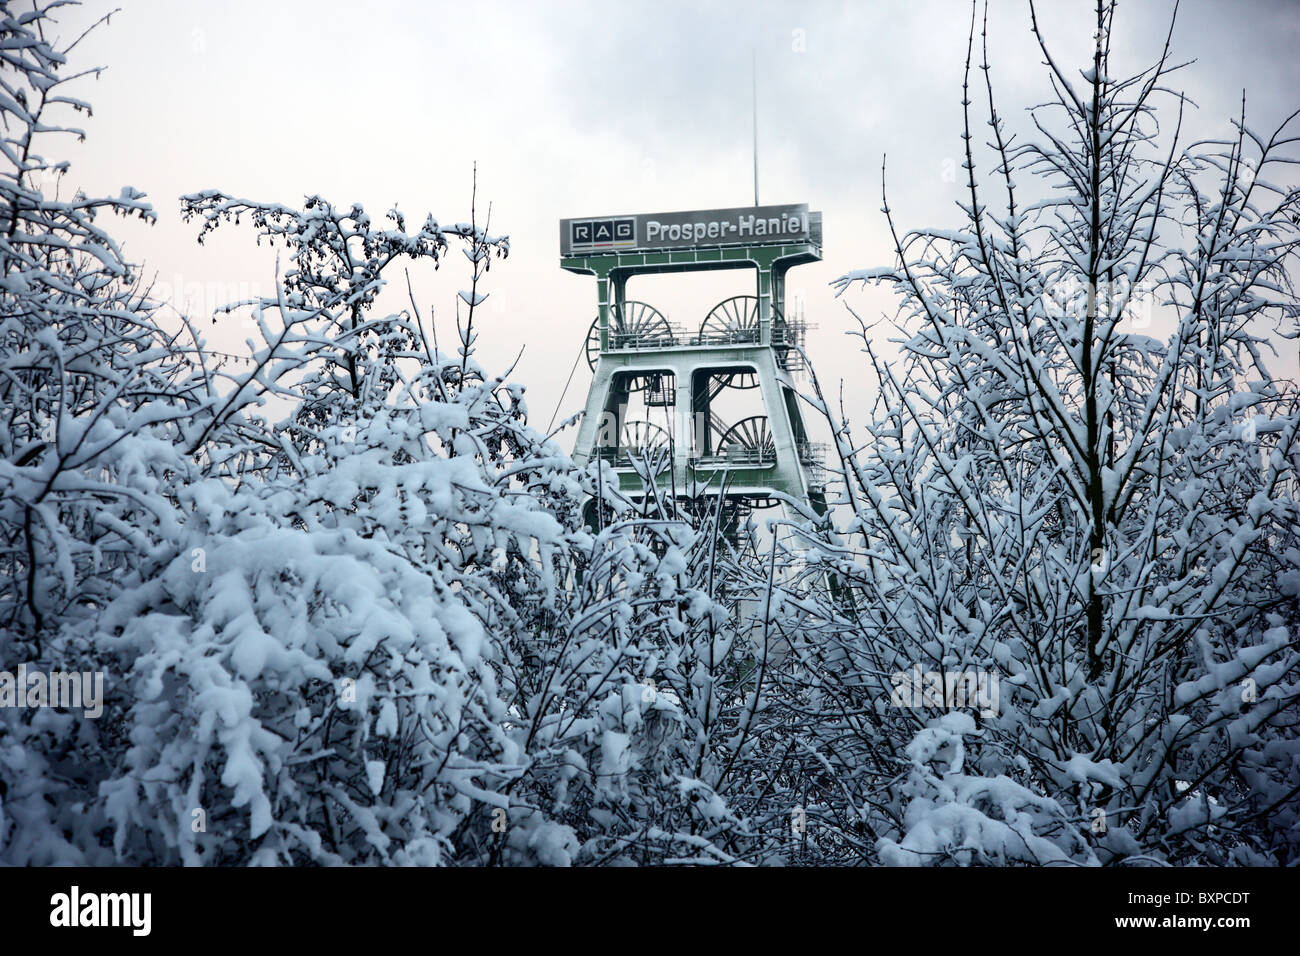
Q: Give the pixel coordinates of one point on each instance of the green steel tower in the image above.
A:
(663, 390)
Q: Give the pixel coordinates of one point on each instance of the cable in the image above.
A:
(577, 358)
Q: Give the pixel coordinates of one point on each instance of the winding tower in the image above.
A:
(666, 391)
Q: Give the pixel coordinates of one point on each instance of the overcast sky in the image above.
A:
(574, 109)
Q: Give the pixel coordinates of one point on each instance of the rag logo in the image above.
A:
(594, 233)
(74, 909)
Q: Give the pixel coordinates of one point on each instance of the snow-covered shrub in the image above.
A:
(350, 609)
(1103, 521)
(94, 404)
(374, 631)
(952, 817)
(640, 707)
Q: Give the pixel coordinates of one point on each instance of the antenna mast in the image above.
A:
(754, 92)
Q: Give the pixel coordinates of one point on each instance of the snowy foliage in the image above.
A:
(377, 630)
(1104, 521)
(353, 609)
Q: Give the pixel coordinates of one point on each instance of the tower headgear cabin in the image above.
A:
(661, 388)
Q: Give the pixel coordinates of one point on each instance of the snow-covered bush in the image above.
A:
(330, 679)
(94, 405)
(955, 818)
(1103, 521)
(641, 708)
(374, 631)
(351, 608)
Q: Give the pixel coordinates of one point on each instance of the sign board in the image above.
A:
(744, 226)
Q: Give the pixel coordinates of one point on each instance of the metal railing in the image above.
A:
(737, 456)
(784, 335)
(813, 453)
(728, 337)
(623, 456)
(633, 341)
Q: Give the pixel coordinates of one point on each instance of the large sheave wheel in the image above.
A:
(635, 325)
(752, 438)
(735, 320)
(638, 437)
